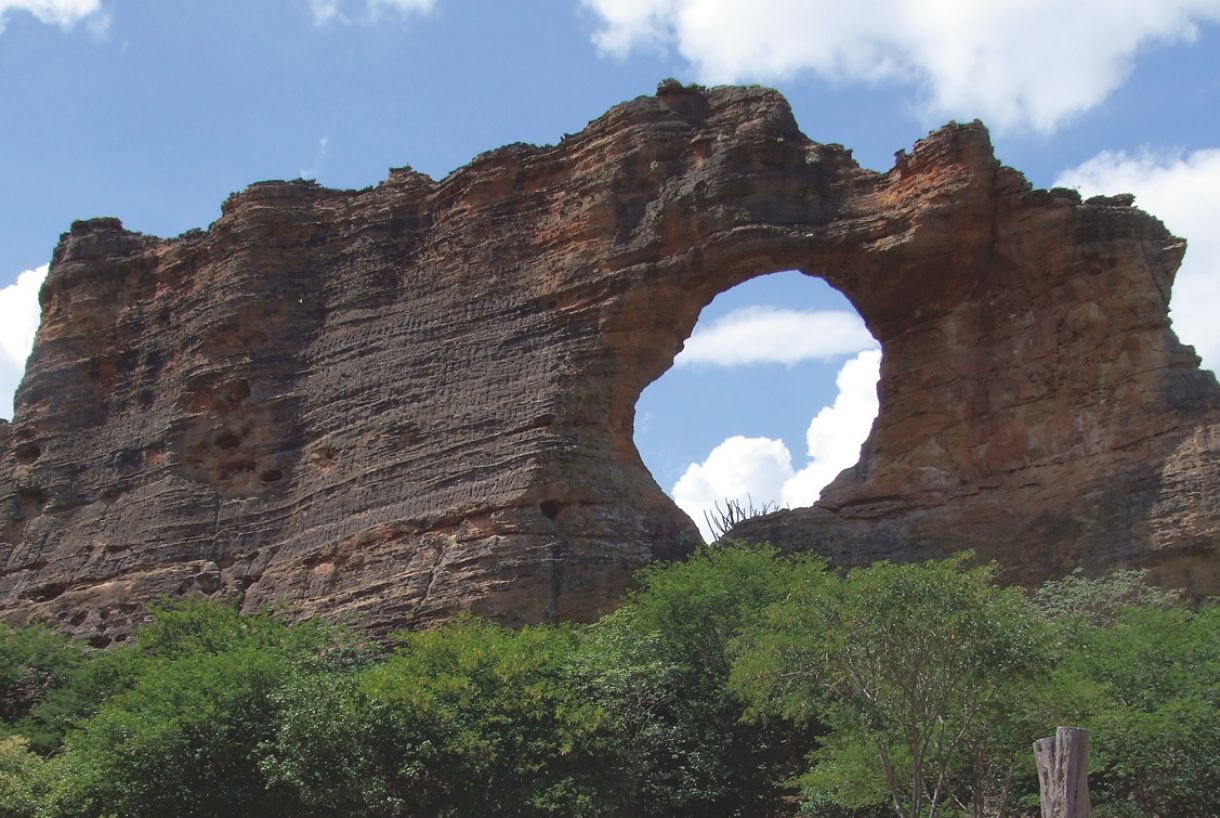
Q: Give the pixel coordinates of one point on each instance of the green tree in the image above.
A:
(907, 661)
(184, 733)
(1100, 600)
(183, 741)
(24, 779)
(335, 749)
(478, 719)
(33, 661)
(85, 688)
(1148, 689)
(660, 666)
(187, 627)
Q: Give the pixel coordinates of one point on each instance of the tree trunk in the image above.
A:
(1063, 773)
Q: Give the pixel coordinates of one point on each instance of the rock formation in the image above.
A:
(394, 403)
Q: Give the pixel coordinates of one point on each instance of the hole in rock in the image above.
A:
(234, 469)
(227, 440)
(31, 500)
(771, 397)
(46, 592)
(550, 508)
(28, 452)
(271, 475)
(207, 583)
(233, 392)
(128, 361)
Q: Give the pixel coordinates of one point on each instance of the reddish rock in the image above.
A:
(395, 403)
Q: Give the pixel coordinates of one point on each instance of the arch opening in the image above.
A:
(772, 396)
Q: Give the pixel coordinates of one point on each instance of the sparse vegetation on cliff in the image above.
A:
(738, 683)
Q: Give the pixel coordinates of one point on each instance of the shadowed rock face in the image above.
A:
(395, 403)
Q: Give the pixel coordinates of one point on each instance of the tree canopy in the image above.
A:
(738, 683)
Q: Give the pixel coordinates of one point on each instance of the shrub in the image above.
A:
(183, 725)
(484, 720)
(907, 665)
(33, 661)
(1146, 688)
(1100, 601)
(23, 779)
(660, 666)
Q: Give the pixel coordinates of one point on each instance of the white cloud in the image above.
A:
(836, 433)
(1015, 63)
(421, 6)
(98, 25)
(345, 11)
(19, 314)
(324, 11)
(752, 335)
(747, 469)
(319, 158)
(62, 13)
(1183, 190)
(759, 470)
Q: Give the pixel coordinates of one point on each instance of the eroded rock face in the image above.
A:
(395, 403)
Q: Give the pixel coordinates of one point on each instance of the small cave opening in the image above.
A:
(550, 508)
(770, 399)
(27, 452)
(227, 440)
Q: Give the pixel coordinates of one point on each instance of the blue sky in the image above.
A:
(156, 111)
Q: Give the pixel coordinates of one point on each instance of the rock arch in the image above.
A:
(441, 377)
(766, 358)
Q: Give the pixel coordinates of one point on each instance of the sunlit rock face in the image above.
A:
(396, 403)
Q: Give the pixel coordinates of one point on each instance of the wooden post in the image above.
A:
(1063, 773)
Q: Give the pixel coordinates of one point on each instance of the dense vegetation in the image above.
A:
(738, 683)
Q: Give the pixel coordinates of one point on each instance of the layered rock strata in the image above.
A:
(395, 403)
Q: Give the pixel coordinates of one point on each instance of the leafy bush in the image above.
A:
(24, 779)
(334, 749)
(905, 664)
(186, 713)
(718, 687)
(660, 666)
(1148, 690)
(1099, 601)
(183, 741)
(33, 661)
(484, 720)
(83, 691)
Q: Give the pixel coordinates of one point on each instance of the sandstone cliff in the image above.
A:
(399, 402)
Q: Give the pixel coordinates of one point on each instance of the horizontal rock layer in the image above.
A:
(391, 404)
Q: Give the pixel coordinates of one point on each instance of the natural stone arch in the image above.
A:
(786, 390)
(1013, 324)
(399, 402)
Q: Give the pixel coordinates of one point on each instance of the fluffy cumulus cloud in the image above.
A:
(62, 13)
(346, 11)
(759, 470)
(1015, 63)
(19, 315)
(1183, 190)
(753, 335)
(836, 433)
(750, 470)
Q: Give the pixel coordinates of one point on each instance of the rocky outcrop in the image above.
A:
(395, 403)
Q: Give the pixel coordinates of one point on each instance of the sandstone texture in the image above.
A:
(396, 403)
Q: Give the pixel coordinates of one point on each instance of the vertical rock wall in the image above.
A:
(395, 403)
